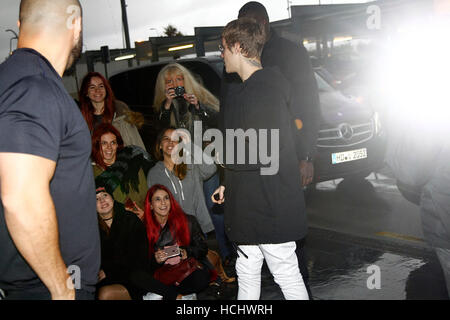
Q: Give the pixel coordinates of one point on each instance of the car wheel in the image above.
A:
(410, 193)
(357, 177)
(356, 184)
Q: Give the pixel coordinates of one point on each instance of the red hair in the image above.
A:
(177, 220)
(102, 129)
(86, 107)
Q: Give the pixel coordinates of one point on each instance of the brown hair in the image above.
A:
(250, 35)
(86, 107)
(101, 223)
(102, 129)
(180, 170)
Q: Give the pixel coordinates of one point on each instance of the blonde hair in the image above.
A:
(191, 85)
(180, 170)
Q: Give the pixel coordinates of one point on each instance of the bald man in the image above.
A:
(49, 239)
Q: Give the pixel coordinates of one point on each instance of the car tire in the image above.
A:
(410, 193)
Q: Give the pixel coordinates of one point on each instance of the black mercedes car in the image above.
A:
(350, 142)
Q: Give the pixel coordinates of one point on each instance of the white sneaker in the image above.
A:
(192, 296)
(152, 296)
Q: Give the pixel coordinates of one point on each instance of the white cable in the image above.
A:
(181, 185)
(173, 185)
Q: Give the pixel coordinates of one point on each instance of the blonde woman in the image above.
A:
(180, 99)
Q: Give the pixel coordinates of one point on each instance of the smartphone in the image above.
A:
(172, 251)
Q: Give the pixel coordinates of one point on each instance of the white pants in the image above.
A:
(283, 264)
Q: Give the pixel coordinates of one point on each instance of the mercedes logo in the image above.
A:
(346, 131)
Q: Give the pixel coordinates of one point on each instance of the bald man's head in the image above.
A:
(49, 14)
(257, 11)
(48, 23)
(254, 10)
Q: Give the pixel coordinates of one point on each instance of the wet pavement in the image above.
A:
(364, 243)
(342, 267)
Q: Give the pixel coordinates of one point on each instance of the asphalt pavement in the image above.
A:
(365, 242)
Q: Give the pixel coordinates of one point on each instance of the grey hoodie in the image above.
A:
(189, 191)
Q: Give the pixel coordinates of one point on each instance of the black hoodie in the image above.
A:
(262, 209)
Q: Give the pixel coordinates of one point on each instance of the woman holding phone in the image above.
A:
(168, 227)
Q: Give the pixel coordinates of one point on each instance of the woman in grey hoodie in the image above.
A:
(185, 181)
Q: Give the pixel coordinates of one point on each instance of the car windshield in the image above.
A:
(218, 65)
(322, 84)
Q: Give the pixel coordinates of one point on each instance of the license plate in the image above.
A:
(346, 156)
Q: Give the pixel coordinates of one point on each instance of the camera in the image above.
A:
(172, 251)
(179, 91)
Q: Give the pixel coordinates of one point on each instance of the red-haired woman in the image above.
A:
(168, 225)
(125, 271)
(121, 169)
(98, 105)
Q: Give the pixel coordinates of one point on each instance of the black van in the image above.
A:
(350, 142)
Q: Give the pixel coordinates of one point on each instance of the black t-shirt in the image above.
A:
(294, 64)
(38, 117)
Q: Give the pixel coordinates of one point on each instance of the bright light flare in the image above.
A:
(187, 46)
(342, 39)
(417, 73)
(126, 57)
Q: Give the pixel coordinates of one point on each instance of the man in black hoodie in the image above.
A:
(265, 208)
(293, 62)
